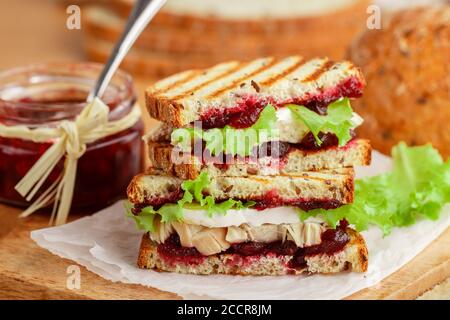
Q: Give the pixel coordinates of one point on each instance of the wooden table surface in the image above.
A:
(35, 32)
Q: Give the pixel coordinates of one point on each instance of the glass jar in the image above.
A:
(44, 95)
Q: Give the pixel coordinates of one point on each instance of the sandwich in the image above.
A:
(243, 151)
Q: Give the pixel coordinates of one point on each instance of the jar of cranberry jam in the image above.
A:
(43, 96)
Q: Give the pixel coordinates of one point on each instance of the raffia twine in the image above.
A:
(71, 138)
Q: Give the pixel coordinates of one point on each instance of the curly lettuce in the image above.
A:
(338, 120)
(417, 186)
(229, 140)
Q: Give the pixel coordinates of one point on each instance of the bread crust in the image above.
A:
(406, 64)
(353, 257)
(357, 153)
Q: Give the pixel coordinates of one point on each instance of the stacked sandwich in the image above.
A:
(246, 153)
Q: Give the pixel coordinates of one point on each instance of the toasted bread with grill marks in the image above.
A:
(225, 88)
(353, 257)
(322, 188)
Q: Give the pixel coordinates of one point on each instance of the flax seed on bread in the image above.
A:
(190, 95)
(336, 185)
(353, 257)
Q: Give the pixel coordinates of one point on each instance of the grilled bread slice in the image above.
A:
(308, 190)
(356, 153)
(354, 257)
(227, 88)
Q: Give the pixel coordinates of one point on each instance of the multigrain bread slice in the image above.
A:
(393, 59)
(353, 257)
(323, 189)
(185, 166)
(229, 87)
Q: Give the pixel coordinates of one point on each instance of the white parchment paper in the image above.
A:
(107, 243)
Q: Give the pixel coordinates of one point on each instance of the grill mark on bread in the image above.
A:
(191, 104)
(237, 81)
(283, 74)
(214, 79)
(322, 69)
(191, 74)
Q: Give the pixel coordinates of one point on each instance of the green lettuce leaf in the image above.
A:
(417, 186)
(193, 199)
(338, 120)
(229, 140)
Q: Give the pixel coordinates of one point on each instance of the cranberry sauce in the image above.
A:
(332, 241)
(103, 172)
(172, 252)
(274, 149)
(287, 248)
(244, 115)
(102, 176)
(247, 112)
(272, 200)
(309, 143)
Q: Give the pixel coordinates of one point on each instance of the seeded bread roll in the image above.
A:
(336, 185)
(353, 257)
(406, 64)
(356, 153)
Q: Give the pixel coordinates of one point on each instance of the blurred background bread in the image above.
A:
(200, 33)
(406, 65)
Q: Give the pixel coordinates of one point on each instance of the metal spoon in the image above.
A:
(142, 13)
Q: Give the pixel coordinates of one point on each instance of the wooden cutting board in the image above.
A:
(30, 272)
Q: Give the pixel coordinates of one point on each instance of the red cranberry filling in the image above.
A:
(270, 200)
(333, 240)
(273, 149)
(172, 251)
(287, 248)
(273, 200)
(247, 112)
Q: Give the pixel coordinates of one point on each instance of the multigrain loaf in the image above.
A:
(336, 185)
(406, 64)
(163, 156)
(226, 88)
(353, 257)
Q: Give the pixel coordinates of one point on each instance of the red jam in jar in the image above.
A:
(44, 95)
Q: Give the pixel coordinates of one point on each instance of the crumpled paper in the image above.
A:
(107, 243)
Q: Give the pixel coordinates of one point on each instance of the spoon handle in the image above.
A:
(142, 13)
